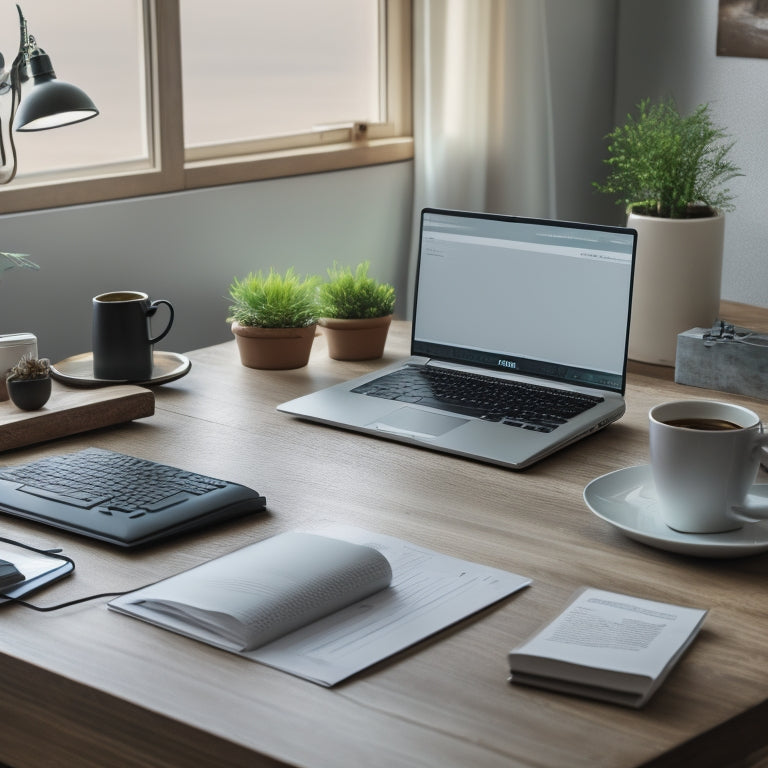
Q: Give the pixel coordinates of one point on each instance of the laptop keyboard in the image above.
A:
(119, 498)
(519, 404)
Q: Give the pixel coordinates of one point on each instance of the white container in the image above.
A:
(678, 272)
(13, 346)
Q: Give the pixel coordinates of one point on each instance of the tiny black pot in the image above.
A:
(29, 394)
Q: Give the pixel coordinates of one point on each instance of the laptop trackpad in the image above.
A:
(412, 421)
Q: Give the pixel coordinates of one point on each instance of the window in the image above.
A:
(233, 74)
(193, 93)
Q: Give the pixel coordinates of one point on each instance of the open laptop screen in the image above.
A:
(542, 298)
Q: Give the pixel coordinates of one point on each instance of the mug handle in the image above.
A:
(151, 311)
(755, 508)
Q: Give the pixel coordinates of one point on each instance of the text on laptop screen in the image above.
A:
(541, 298)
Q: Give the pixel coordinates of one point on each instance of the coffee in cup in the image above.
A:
(704, 424)
(704, 459)
(122, 336)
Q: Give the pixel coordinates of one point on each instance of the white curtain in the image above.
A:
(482, 108)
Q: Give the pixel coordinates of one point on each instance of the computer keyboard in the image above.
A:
(519, 404)
(118, 498)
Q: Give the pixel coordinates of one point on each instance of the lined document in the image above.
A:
(428, 592)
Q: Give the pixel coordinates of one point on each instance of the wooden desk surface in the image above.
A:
(87, 687)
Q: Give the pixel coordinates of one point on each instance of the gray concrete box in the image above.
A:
(728, 358)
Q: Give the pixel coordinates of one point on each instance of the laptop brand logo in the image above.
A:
(507, 364)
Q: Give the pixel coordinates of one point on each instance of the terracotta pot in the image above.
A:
(355, 339)
(678, 270)
(29, 394)
(274, 348)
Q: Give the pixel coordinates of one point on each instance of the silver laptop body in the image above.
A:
(501, 302)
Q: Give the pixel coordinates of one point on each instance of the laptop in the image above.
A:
(519, 341)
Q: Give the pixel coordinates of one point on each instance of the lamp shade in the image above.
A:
(51, 103)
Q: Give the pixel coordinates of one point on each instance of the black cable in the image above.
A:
(44, 609)
(50, 552)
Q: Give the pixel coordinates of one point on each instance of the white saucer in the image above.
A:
(627, 500)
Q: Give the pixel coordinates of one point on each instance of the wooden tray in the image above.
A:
(70, 411)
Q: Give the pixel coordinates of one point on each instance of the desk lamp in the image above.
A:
(49, 104)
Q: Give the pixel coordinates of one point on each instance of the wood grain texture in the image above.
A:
(112, 690)
(71, 411)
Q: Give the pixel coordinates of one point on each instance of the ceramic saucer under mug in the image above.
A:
(77, 371)
(627, 500)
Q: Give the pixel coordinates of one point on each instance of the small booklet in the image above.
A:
(607, 646)
(320, 606)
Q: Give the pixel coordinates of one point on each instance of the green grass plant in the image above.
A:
(354, 294)
(274, 300)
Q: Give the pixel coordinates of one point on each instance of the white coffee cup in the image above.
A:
(704, 459)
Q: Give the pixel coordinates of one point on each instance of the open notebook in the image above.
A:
(519, 346)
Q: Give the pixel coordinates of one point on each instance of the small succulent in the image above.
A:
(30, 368)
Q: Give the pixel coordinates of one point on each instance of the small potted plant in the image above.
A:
(29, 383)
(274, 318)
(355, 313)
(669, 171)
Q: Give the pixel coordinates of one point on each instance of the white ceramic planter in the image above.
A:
(678, 271)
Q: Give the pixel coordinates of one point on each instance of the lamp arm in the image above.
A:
(10, 81)
(26, 43)
(11, 84)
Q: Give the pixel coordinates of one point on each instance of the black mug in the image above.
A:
(122, 341)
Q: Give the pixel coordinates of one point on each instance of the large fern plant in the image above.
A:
(664, 164)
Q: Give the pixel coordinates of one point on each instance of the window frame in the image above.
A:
(170, 170)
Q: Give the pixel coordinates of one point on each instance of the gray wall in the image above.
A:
(187, 247)
(668, 47)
